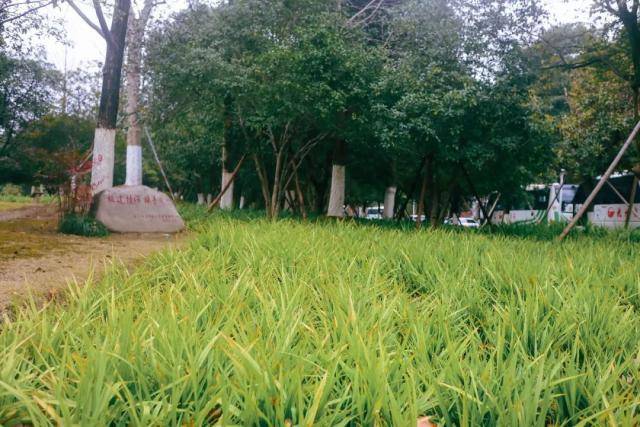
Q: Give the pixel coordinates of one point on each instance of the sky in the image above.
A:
(85, 46)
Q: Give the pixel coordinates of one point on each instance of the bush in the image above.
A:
(11, 190)
(82, 225)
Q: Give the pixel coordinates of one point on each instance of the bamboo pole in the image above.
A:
(632, 198)
(557, 195)
(215, 201)
(601, 183)
(155, 155)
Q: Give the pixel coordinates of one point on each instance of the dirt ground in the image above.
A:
(35, 259)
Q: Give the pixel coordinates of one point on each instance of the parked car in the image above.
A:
(374, 213)
(462, 222)
(468, 223)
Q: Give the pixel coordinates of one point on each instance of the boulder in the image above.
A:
(136, 209)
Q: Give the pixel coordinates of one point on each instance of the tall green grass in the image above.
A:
(262, 323)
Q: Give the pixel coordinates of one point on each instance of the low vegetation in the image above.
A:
(82, 225)
(288, 323)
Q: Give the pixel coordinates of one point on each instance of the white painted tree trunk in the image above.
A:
(242, 202)
(389, 202)
(226, 201)
(336, 196)
(134, 165)
(135, 37)
(201, 198)
(209, 198)
(104, 142)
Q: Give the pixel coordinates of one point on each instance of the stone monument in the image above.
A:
(136, 209)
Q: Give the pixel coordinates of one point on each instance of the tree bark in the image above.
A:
(434, 214)
(412, 190)
(105, 134)
(276, 192)
(338, 180)
(390, 192)
(264, 183)
(423, 194)
(226, 201)
(300, 196)
(228, 186)
(389, 201)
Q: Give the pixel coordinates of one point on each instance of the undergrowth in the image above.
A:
(81, 225)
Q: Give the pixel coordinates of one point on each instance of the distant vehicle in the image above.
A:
(374, 212)
(468, 223)
(462, 222)
(608, 208)
(534, 207)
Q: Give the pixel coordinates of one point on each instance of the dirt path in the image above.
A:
(34, 258)
(29, 211)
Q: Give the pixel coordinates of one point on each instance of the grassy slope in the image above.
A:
(336, 324)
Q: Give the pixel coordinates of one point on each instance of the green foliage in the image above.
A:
(288, 82)
(52, 146)
(82, 225)
(11, 190)
(270, 323)
(599, 122)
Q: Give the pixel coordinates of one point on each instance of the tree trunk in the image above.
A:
(434, 214)
(226, 202)
(389, 202)
(412, 190)
(134, 133)
(264, 183)
(135, 38)
(300, 196)
(338, 178)
(423, 194)
(105, 134)
(276, 192)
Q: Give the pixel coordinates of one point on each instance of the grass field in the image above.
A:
(260, 323)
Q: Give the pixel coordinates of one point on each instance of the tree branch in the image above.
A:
(372, 4)
(28, 11)
(103, 23)
(86, 19)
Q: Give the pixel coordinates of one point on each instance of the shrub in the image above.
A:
(11, 190)
(82, 225)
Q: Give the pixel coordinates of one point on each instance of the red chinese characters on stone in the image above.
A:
(154, 200)
(124, 199)
(162, 218)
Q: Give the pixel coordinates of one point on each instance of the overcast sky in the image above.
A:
(86, 46)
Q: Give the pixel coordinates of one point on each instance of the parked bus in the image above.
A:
(608, 208)
(533, 207)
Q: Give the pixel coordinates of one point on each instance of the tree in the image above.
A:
(52, 146)
(135, 39)
(105, 134)
(28, 90)
(441, 102)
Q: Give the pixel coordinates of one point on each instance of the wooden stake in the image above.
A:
(155, 155)
(632, 198)
(215, 201)
(601, 183)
